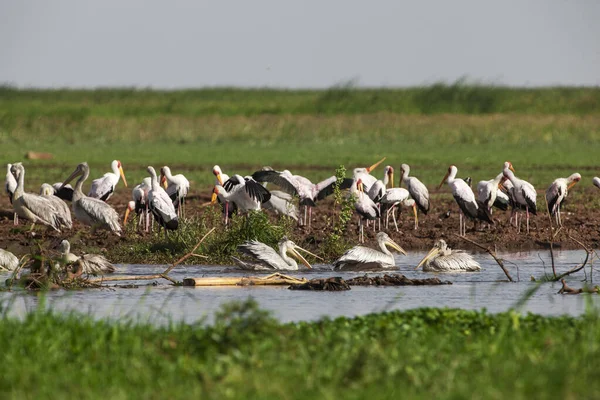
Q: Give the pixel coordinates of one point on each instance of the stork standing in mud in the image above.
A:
(418, 191)
(103, 188)
(557, 193)
(161, 205)
(524, 194)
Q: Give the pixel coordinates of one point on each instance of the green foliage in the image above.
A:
(433, 353)
(336, 243)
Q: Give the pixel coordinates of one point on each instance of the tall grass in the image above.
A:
(434, 353)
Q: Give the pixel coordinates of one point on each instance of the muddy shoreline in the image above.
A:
(581, 220)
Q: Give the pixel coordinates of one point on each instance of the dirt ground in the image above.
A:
(581, 220)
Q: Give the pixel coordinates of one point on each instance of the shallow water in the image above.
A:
(486, 289)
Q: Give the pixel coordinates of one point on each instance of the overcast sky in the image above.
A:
(297, 44)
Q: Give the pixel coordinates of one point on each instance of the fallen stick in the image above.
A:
(491, 253)
(579, 267)
(188, 255)
(273, 279)
(569, 290)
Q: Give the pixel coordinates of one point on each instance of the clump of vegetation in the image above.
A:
(335, 243)
(433, 353)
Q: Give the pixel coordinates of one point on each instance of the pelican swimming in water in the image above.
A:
(268, 259)
(8, 261)
(442, 259)
(94, 264)
(360, 258)
(103, 188)
(90, 211)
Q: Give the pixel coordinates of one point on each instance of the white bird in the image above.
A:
(94, 264)
(465, 198)
(557, 193)
(245, 193)
(31, 206)
(442, 259)
(281, 203)
(8, 261)
(177, 187)
(523, 192)
(220, 179)
(487, 193)
(418, 191)
(297, 185)
(596, 182)
(161, 205)
(364, 206)
(90, 211)
(394, 197)
(364, 174)
(377, 189)
(139, 193)
(10, 185)
(265, 258)
(360, 258)
(103, 188)
(62, 209)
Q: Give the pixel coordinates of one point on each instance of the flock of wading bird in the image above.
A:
(164, 198)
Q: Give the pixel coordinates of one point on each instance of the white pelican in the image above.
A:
(245, 193)
(177, 187)
(557, 193)
(10, 185)
(360, 258)
(418, 191)
(442, 259)
(63, 192)
(281, 203)
(94, 264)
(364, 174)
(297, 185)
(31, 206)
(523, 192)
(90, 211)
(364, 206)
(596, 182)
(8, 261)
(103, 188)
(465, 198)
(268, 259)
(161, 205)
(487, 193)
(62, 209)
(139, 193)
(391, 199)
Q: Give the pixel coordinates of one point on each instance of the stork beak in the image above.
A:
(220, 179)
(75, 173)
(414, 207)
(431, 253)
(299, 257)
(126, 216)
(123, 176)
(163, 180)
(395, 246)
(372, 167)
(309, 253)
(511, 168)
(572, 184)
(213, 198)
(444, 180)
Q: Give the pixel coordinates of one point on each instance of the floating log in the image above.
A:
(394, 280)
(274, 279)
(334, 284)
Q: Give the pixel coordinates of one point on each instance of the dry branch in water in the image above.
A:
(569, 290)
(491, 253)
(580, 266)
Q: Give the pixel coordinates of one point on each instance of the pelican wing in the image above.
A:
(284, 180)
(363, 258)
(419, 193)
(96, 264)
(456, 261)
(99, 211)
(102, 188)
(264, 255)
(8, 261)
(326, 187)
(41, 207)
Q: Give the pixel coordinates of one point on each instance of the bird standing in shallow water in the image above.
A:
(361, 258)
(265, 258)
(442, 259)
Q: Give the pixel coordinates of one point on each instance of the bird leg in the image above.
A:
(16, 219)
(226, 212)
(527, 211)
(309, 215)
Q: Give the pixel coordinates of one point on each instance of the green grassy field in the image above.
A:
(432, 353)
(546, 133)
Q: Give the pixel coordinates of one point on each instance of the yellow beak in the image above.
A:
(299, 257)
(395, 246)
(431, 253)
(444, 180)
(126, 216)
(571, 185)
(220, 179)
(372, 167)
(123, 176)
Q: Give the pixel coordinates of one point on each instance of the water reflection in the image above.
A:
(486, 289)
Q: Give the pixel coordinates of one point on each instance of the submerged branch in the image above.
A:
(491, 253)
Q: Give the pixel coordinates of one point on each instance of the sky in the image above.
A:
(298, 44)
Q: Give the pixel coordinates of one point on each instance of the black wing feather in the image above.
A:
(328, 190)
(276, 178)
